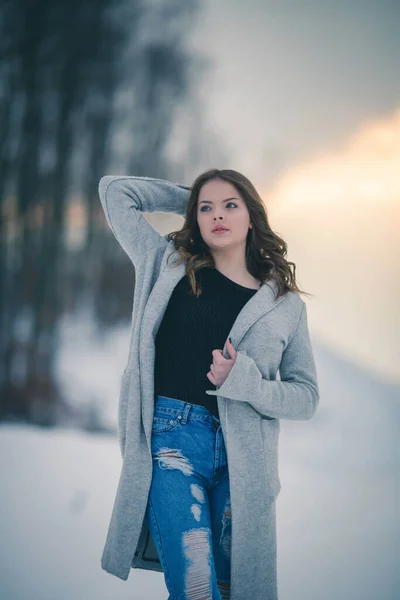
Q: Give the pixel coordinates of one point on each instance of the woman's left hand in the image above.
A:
(221, 366)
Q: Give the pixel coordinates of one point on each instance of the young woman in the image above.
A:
(217, 314)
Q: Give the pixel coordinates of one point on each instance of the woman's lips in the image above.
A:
(218, 231)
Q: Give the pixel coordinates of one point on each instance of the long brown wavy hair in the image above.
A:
(265, 250)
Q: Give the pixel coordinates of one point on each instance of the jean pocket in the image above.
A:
(163, 422)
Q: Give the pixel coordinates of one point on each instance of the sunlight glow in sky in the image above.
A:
(340, 214)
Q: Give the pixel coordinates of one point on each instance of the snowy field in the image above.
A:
(337, 513)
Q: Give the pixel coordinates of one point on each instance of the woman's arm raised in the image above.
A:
(125, 199)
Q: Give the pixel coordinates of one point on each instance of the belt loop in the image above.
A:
(185, 412)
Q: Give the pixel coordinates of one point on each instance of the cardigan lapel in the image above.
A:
(170, 274)
(260, 303)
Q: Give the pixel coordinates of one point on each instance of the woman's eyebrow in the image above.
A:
(210, 201)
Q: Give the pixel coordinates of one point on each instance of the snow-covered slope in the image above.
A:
(338, 523)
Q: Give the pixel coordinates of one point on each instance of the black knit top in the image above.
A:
(190, 330)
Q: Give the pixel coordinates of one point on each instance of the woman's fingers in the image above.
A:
(231, 349)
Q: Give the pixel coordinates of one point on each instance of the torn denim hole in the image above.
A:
(197, 492)
(196, 546)
(196, 511)
(225, 537)
(170, 458)
(224, 588)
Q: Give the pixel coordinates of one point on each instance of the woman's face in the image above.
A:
(220, 203)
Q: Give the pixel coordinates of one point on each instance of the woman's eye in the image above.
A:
(205, 207)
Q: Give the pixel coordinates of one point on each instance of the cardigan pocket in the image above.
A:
(270, 429)
(123, 409)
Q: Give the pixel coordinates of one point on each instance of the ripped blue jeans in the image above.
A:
(188, 510)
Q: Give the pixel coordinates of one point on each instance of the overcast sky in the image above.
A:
(291, 78)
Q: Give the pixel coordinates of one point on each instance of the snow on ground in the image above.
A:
(337, 518)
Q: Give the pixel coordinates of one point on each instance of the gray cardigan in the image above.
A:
(274, 377)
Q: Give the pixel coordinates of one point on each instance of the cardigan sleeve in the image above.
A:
(294, 396)
(124, 200)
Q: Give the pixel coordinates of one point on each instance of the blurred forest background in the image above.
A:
(86, 88)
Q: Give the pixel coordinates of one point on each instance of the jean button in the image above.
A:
(180, 417)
